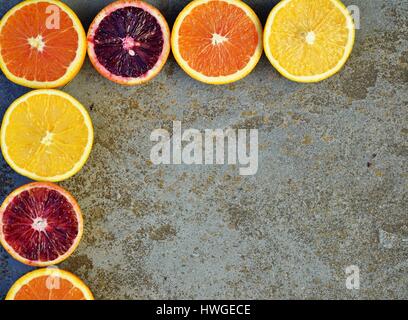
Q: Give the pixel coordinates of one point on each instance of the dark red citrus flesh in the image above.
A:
(40, 224)
(128, 42)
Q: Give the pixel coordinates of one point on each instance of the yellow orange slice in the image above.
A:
(42, 44)
(309, 40)
(46, 135)
(49, 284)
(217, 41)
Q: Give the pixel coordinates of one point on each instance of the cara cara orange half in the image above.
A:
(42, 44)
(217, 41)
(49, 284)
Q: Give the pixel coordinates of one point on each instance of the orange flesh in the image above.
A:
(61, 289)
(59, 50)
(217, 39)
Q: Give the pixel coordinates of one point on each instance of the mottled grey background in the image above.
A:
(331, 190)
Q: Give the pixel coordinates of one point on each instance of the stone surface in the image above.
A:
(331, 190)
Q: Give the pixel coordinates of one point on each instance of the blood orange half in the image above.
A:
(42, 44)
(217, 41)
(49, 284)
(129, 42)
(40, 224)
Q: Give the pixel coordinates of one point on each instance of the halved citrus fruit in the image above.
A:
(217, 41)
(40, 224)
(128, 42)
(309, 40)
(49, 284)
(42, 44)
(46, 135)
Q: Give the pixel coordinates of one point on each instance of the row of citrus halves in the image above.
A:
(214, 41)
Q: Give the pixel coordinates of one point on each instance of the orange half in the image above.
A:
(42, 44)
(41, 224)
(49, 284)
(46, 135)
(309, 40)
(217, 41)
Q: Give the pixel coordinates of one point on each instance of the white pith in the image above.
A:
(37, 43)
(310, 38)
(39, 224)
(218, 39)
